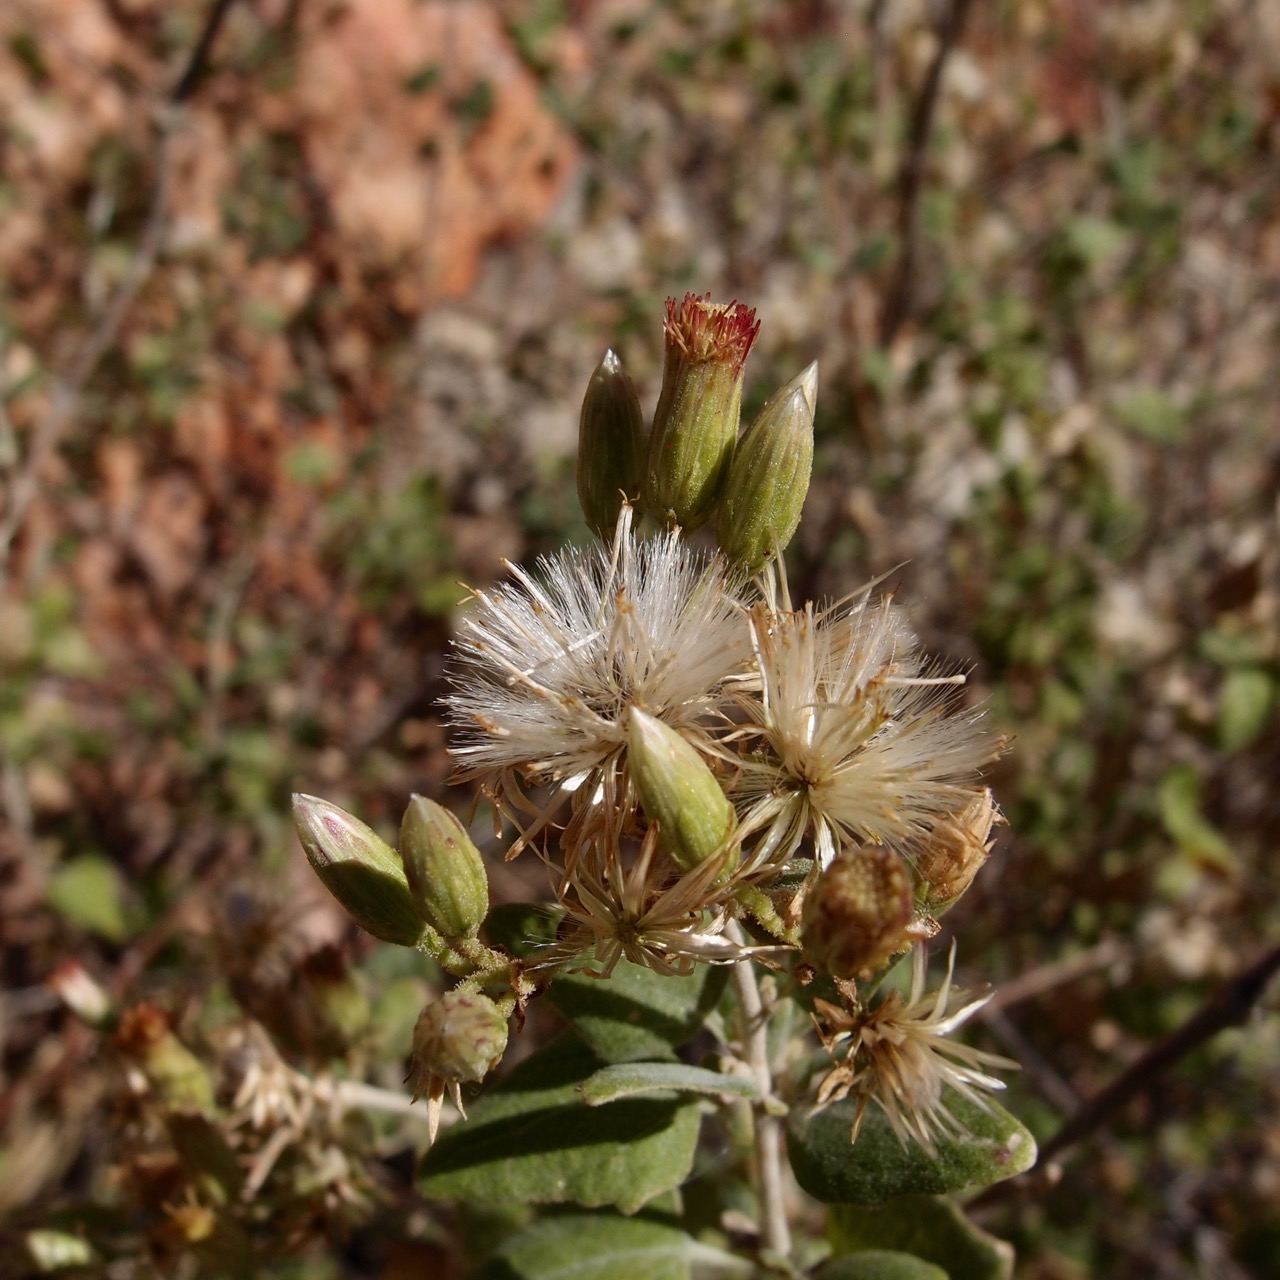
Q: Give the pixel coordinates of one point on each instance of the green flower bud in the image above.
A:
(769, 476)
(679, 792)
(696, 422)
(446, 874)
(611, 445)
(360, 869)
(859, 914)
(460, 1038)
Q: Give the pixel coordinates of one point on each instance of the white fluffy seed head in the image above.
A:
(546, 665)
(858, 739)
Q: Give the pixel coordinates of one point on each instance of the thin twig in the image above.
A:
(1229, 1006)
(198, 63)
(47, 432)
(897, 305)
(775, 1230)
(1036, 982)
(1037, 1070)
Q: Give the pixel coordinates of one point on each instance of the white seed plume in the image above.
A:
(857, 739)
(548, 664)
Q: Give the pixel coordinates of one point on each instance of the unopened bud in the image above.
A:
(696, 421)
(769, 476)
(611, 445)
(859, 914)
(955, 853)
(360, 869)
(446, 874)
(459, 1038)
(680, 793)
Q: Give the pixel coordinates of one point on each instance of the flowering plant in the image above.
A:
(748, 810)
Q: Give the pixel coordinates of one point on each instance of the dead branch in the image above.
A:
(897, 304)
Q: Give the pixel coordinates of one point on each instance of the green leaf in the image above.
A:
(878, 1167)
(930, 1228)
(534, 1140)
(1178, 797)
(1150, 412)
(1244, 707)
(1096, 241)
(881, 1264)
(629, 1078)
(584, 1246)
(637, 1013)
(86, 892)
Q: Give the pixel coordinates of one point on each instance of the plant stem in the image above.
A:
(771, 1188)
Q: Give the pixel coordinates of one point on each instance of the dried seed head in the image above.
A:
(864, 743)
(900, 1055)
(546, 666)
(859, 914)
(955, 852)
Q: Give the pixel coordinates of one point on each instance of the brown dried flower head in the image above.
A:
(956, 851)
(859, 913)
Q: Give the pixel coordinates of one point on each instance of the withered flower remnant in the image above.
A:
(899, 1055)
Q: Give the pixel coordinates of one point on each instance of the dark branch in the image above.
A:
(897, 305)
(1229, 1006)
(198, 63)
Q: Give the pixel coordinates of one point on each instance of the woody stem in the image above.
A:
(770, 1186)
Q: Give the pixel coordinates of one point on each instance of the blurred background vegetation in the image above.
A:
(292, 345)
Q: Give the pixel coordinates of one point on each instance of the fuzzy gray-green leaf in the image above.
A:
(627, 1079)
(881, 1264)
(878, 1168)
(602, 1246)
(637, 1013)
(533, 1140)
(928, 1227)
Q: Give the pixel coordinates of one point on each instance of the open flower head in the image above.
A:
(547, 665)
(859, 740)
(898, 1054)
